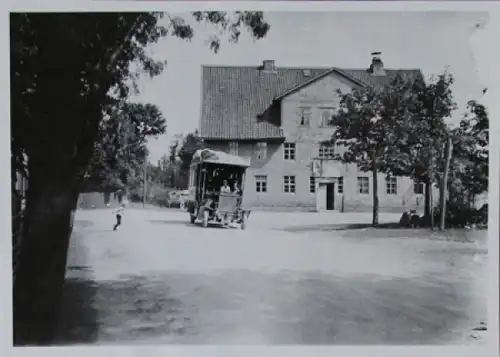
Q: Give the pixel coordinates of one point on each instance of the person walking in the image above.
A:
(119, 214)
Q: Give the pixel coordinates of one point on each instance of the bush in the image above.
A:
(461, 216)
(415, 220)
(135, 197)
(160, 201)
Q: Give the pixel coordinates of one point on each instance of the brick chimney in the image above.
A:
(268, 66)
(377, 66)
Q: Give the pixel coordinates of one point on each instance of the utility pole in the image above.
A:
(431, 199)
(431, 170)
(444, 183)
(127, 127)
(145, 181)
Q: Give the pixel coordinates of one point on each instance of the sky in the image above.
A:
(430, 41)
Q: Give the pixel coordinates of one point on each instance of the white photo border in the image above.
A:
(484, 42)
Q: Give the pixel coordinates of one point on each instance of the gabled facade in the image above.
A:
(279, 117)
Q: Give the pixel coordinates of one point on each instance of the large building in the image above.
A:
(280, 117)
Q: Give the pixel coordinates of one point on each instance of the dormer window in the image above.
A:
(326, 117)
(261, 150)
(305, 116)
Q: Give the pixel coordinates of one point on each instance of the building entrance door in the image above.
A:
(330, 196)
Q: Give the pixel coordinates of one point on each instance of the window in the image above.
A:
(391, 185)
(305, 117)
(340, 185)
(418, 188)
(363, 185)
(261, 151)
(326, 117)
(260, 183)
(233, 148)
(326, 151)
(289, 151)
(289, 184)
(312, 184)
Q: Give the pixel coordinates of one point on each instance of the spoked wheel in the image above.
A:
(205, 219)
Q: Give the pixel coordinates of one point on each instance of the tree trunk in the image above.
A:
(375, 196)
(107, 197)
(428, 199)
(42, 257)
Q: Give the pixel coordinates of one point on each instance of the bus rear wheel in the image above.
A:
(205, 218)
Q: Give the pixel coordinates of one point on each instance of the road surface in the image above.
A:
(283, 280)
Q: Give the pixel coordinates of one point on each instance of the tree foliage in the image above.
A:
(232, 24)
(369, 123)
(420, 149)
(121, 147)
(94, 73)
(423, 130)
(469, 167)
(172, 170)
(181, 154)
(159, 173)
(191, 143)
(400, 129)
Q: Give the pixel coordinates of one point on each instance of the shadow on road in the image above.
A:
(171, 221)
(99, 230)
(78, 321)
(78, 318)
(128, 309)
(339, 227)
(392, 230)
(284, 308)
(183, 223)
(80, 223)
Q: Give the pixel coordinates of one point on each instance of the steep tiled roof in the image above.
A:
(233, 97)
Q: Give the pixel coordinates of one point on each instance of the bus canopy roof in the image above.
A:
(218, 157)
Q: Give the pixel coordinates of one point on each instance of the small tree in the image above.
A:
(469, 168)
(423, 133)
(162, 171)
(191, 143)
(121, 146)
(367, 125)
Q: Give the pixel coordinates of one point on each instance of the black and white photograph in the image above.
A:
(300, 178)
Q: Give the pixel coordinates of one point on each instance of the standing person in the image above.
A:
(237, 191)
(119, 214)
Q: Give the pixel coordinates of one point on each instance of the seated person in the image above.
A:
(210, 197)
(236, 189)
(225, 187)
